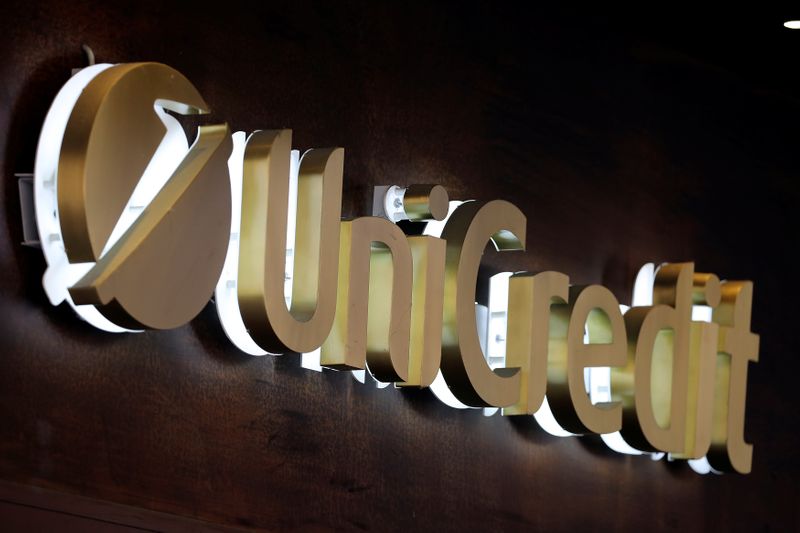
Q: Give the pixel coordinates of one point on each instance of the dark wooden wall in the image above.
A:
(626, 137)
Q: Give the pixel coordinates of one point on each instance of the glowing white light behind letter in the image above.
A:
(60, 273)
(226, 295)
(600, 378)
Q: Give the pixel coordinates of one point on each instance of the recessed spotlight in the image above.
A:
(792, 24)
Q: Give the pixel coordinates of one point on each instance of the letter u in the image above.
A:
(305, 325)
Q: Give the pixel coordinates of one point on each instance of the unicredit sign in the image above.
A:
(139, 229)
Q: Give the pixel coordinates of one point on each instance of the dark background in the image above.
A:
(625, 136)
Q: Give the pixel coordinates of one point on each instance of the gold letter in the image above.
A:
(702, 360)
(425, 353)
(654, 412)
(464, 367)
(528, 332)
(737, 346)
(372, 323)
(594, 308)
(262, 252)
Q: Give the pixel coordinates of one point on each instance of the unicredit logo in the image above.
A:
(140, 229)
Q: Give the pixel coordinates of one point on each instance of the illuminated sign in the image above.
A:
(139, 229)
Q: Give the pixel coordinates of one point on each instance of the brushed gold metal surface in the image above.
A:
(530, 328)
(700, 390)
(373, 309)
(109, 140)
(706, 289)
(425, 351)
(425, 202)
(262, 254)
(737, 346)
(162, 271)
(702, 363)
(389, 303)
(653, 385)
(467, 232)
(594, 310)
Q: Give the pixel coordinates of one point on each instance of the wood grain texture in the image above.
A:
(32, 508)
(622, 143)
